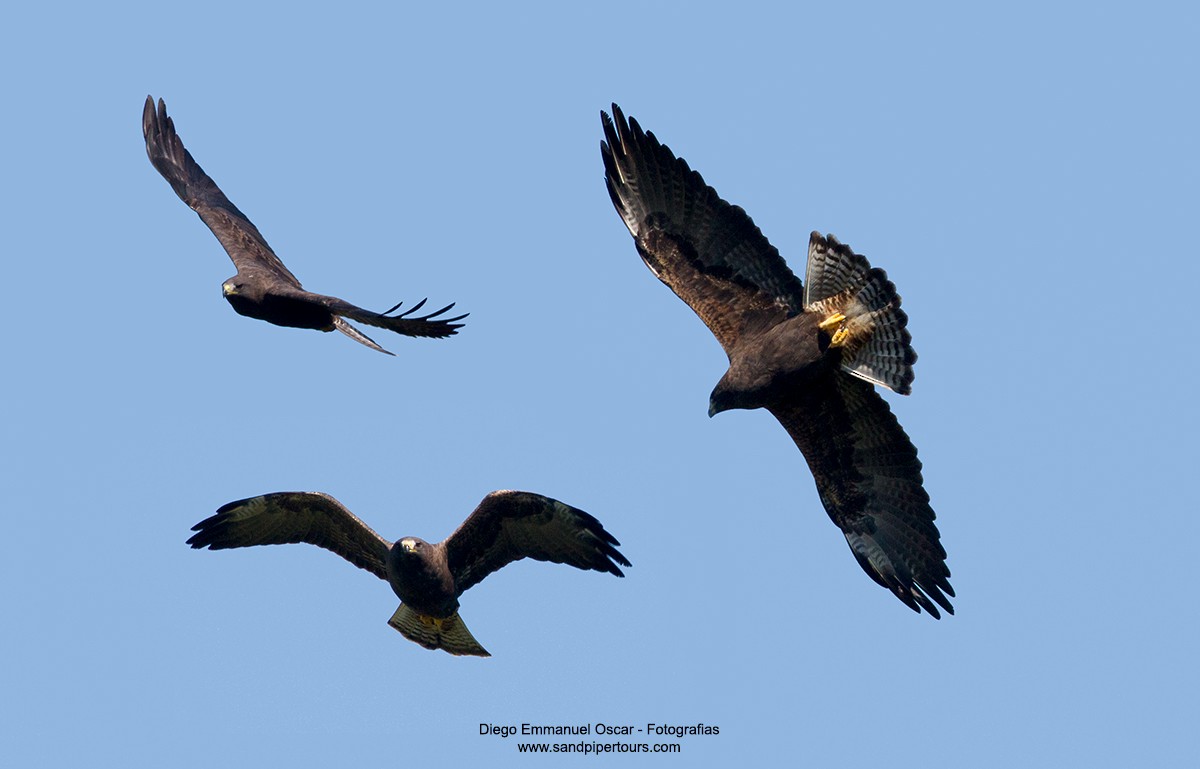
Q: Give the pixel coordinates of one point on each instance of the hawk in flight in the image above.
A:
(428, 578)
(811, 353)
(263, 287)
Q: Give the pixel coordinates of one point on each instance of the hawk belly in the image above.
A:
(283, 311)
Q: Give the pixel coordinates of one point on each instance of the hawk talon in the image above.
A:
(833, 320)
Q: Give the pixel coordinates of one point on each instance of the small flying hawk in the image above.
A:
(263, 287)
(428, 578)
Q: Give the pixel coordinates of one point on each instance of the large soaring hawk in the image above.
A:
(809, 353)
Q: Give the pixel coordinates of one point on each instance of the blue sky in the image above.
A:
(1027, 177)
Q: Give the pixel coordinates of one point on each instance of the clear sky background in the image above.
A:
(1027, 177)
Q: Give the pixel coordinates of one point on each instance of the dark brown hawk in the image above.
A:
(809, 353)
(428, 578)
(263, 287)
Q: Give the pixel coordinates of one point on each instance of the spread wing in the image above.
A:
(869, 480)
(710, 253)
(242, 241)
(511, 525)
(428, 325)
(294, 516)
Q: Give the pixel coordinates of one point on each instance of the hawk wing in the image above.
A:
(428, 325)
(242, 241)
(710, 253)
(869, 480)
(511, 525)
(294, 516)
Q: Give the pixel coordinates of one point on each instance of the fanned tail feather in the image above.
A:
(872, 331)
(449, 634)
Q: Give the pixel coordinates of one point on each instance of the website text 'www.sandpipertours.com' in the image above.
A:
(588, 739)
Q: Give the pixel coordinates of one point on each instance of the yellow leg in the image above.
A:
(832, 321)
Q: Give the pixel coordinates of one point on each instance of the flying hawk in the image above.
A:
(263, 287)
(809, 353)
(428, 578)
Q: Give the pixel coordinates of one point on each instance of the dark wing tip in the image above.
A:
(605, 544)
(430, 317)
(918, 577)
(212, 529)
(918, 591)
(156, 124)
(169, 157)
(207, 532)
(916, 595)
(617, 115)
(430, 325)
(148, 114)
(599, 545)
(617, 130)
(629, 152)
(623, 136)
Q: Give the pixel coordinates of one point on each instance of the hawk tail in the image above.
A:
(861, 311)
(341, 325)
(449, 634)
